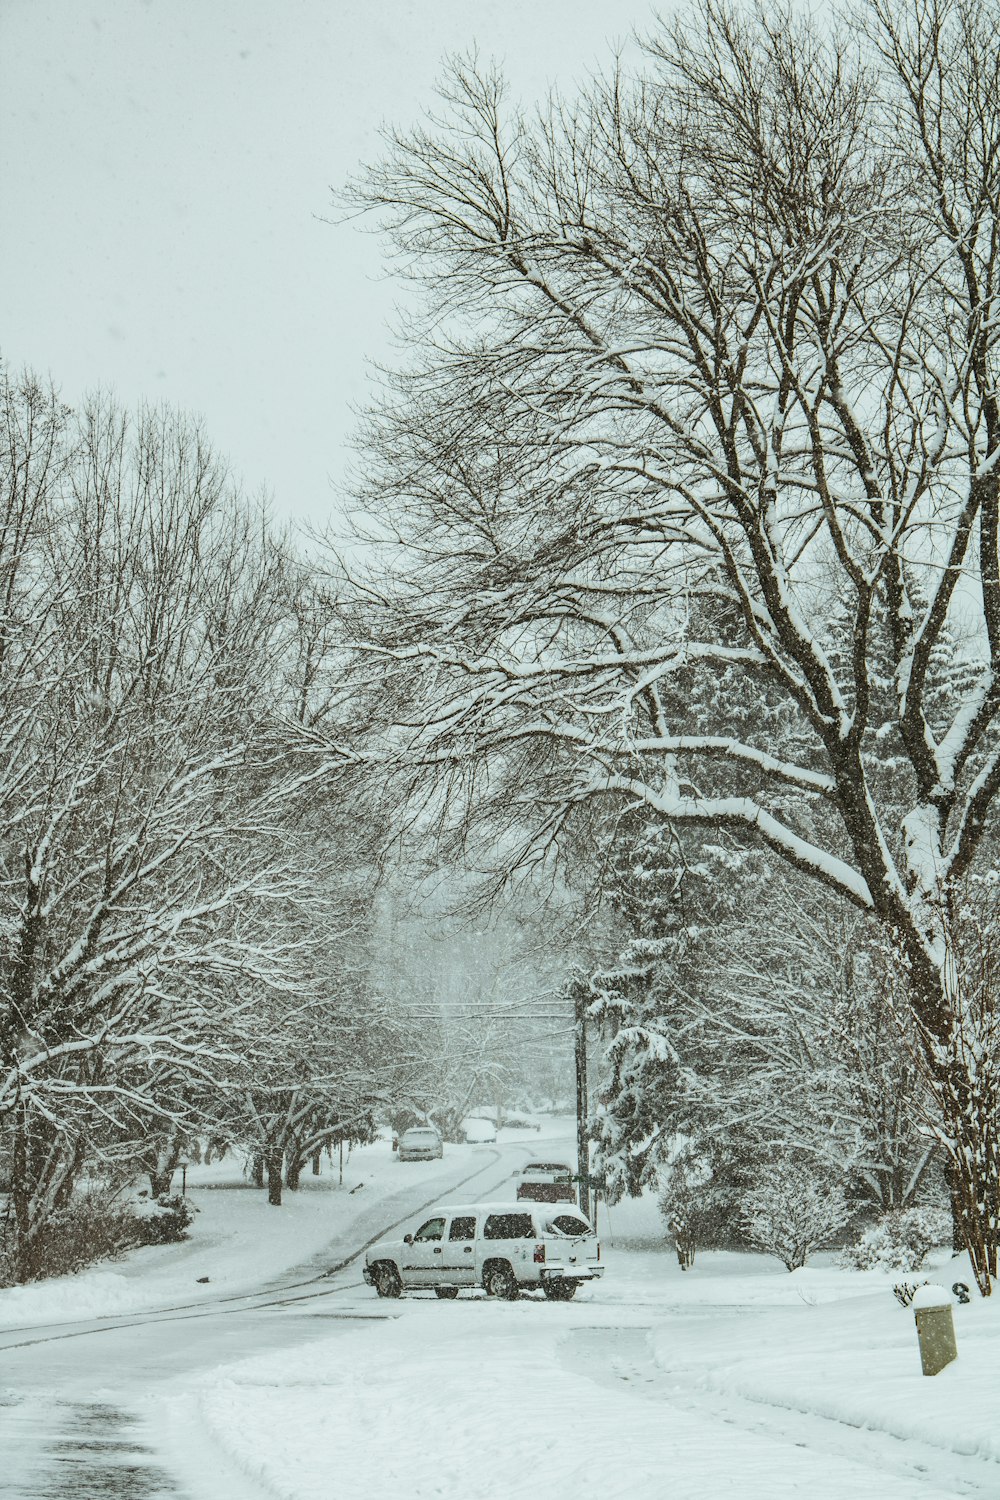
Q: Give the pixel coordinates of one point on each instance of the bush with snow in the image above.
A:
(163, 1220)
(905, 1291)
(91, 1226)
(790, 1211)
(900, 1241)
(99, 1225)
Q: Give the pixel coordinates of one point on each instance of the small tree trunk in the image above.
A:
(274, 1157)
(293, 1171)
(257, 1170)
(685, 1245)
(315, 1163)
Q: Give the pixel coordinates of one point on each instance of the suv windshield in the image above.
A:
(432, 1230)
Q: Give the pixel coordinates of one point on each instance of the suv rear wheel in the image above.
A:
(386, 1279)
(559, 1291)
(498, 1279)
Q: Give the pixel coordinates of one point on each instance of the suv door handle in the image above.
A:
(468, 1249)
(437, 1249)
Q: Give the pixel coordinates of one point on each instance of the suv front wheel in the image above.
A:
(386, 1279)
(498, 1279)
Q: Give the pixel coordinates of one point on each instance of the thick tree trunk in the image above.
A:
(686, 1247)
(955, 1204)
(961, 1080)
(293, 1172)
(160, 1162)
(273, 1159)
(974, 1175)
(257, 1170)
(315, 1163)
(44, 1168)
(20, 1198)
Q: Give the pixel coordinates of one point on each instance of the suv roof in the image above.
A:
(525, 1205)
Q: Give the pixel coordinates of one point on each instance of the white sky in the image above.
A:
(164, 169)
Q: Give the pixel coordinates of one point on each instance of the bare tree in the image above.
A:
(711, 393)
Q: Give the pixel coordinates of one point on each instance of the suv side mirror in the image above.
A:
(407, 1239)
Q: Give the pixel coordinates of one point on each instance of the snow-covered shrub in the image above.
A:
(689, 1203)
(790, 1211)
(92, 1226)
(163, 1220)
(900, 1241)
(98, 1225)
(905, 1291)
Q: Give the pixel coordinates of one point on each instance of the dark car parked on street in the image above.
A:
(546, 1182)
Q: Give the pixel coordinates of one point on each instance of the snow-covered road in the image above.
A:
(735, 1377)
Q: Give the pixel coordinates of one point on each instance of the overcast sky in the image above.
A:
(165, 166)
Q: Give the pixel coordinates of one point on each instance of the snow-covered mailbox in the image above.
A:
(935, 1328)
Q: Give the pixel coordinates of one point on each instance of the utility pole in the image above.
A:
(582, 1103)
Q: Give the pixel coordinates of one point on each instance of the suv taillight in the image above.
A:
(539, 1255)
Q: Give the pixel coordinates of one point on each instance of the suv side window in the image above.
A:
(509, 1227)
(432, 1230)
(463, 1229)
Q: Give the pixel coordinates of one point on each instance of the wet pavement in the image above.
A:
(87, 1450)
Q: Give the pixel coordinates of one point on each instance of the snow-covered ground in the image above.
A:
(735, 1376)
(652, 1382)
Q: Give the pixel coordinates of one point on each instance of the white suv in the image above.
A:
(502, 1247)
